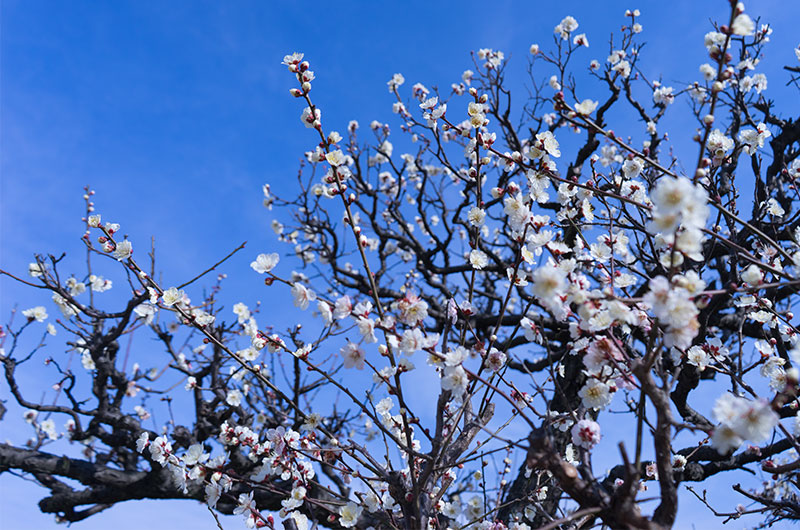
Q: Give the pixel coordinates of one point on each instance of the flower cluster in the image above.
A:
(741, 419)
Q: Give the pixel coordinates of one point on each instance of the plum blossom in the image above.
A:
(246, 506)
(794, 169)
(708, 72)
(495, 360)
(295, 499)
(35, 270)
(38, 313)
(86, 361)
(632, 168)
(774, 207)
(123, 250)
(623, 68)
(580, 40)
(548, 143)
(586, 107)
(292, 60)
(595, 394)
(336, 158)
(719, 145)
(697, 356)
(160, 450)
(743, 25)
(478, 259)
(663, 95)
(242, 312)
(234, 397)
(353, 356)
(172, 296)
(310, 119)
(143, 441)
(476, 216)
(753, 139)
(366, 326)
(75, 287)
(602, 352)
(48, 427)
(757, 82)
(195, 455)
(412, 341)
(411, 309)
(586, 434)
(99, 284)
(566, 26)
(395, 81)
(454, 379)
(538, 182)
(342, 308)
(741, 419)
(673, 306)
(349, 514)
(265, 262)
(752, 275)
(517, 211)
(530, 330)
(549, 286)
(325, 312)
(302, 296)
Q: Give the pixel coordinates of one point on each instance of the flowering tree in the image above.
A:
(551, 307)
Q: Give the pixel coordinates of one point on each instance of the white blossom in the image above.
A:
(349, 514)
(743, 25)
(38, 313)
(566, 26)
(586, 434)
(353, 356)
(302, 296)
(595, 394)
(476, 216)
(478, 259)
(586, 107)
(265, 262)
(172, 296)
(123, 250)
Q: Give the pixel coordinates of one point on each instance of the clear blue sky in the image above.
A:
(177, 112)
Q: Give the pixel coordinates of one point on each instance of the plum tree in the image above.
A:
(513, 296)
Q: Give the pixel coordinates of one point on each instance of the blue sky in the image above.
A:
(177, 113)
